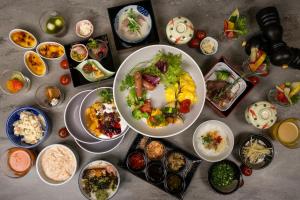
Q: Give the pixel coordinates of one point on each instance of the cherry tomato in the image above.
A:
(253, 79)
(65, 79)
(63, 132)
(64, 64)
(185, 106)
(194, 43)
(200, 34)
(247, 171)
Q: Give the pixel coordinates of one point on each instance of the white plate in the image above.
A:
(72, 121)
(158, 96)
(238, 89)
(88, 100)
(36, 54)
(55, 43)
(223, 129)
(20, 30)
(101, 147)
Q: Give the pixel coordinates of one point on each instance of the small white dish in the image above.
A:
(223, 130)
(22, 30)
(36, 54)
(81, 46)
(51, 43)
(80, 25)
(211, 40)
(41, 173)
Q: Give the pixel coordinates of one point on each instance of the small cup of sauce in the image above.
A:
(16, 162)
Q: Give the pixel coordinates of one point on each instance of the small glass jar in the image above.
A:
(53, 23)
(49, 96)
(10, 75)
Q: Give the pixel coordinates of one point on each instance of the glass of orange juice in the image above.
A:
(287, 132)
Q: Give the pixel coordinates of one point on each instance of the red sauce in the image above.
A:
(136, 161)
(19, 160)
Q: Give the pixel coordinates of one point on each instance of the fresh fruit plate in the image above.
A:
(90, 61)
(142, 22)
(225, 87)
(162, 164)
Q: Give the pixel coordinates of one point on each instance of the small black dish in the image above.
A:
(236, 183)
(152, 38)
(155, 172)
(167, 163)
(136, 170)
(171, 178)
(267, 143)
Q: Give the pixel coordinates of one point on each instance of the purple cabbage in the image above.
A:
(154, 80)
(162, 66)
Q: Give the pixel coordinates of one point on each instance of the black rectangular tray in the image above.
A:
(107, 62)
(152, 38)
(192, 162)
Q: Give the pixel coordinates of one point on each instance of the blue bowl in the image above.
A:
(14, 116)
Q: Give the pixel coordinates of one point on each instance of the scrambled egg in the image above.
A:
(156, 112)
(187, 88)
(92, 121)
(171, 92)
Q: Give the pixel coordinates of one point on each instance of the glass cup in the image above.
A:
(53, 23)
(48, 96)
(9, 75)
(16, 162)
(287, 132)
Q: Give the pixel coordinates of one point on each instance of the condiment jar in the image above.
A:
(16, 162)
(179, 30)
(261, 114)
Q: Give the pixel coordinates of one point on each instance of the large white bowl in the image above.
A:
(146, 54)
(208, 126)
(41, 173)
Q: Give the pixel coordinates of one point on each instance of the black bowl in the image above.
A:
(267, 159)
(236, 182)
(177, 190)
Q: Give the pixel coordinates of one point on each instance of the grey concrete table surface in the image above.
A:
(278, 181)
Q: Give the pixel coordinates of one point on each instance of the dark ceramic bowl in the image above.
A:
(128, 161)
(152, 170)
(263, 140)
(179, 189)
(236, 183)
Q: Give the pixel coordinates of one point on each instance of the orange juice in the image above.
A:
(287, 132)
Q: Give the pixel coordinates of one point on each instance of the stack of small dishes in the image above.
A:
(213, 141)
(27, 127)
(85, 129)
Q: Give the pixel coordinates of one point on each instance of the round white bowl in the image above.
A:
(78, 25)
(97, 163)
(56, 43)
(205, 127)
(88, 100)
(215, 44)
(83, 46)
(146, 54)
(17, 30)
(40, 172)
(46, 71)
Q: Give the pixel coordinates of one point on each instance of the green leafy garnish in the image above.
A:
(133, 100)
(222, 174)
(133, 24)
(222, 75)
(295, 98)
(241, 25)
(92, 44)
(127, 82)
(137, 114)
(106, 95)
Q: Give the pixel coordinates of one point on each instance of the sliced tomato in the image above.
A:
(65, 79)
(229, 34)
(281, 97)
(254, 80)
(184, 106)
(64, 64)
(225, 25)
(146, 107)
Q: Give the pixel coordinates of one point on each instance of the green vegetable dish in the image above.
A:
(99, 183)
(222, 174)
